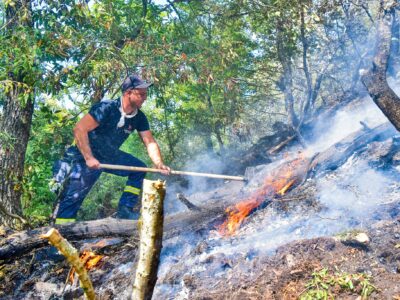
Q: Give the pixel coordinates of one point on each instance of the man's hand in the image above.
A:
(165, 169)
(93, 163)
(154, 151)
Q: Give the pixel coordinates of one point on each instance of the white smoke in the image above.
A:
(348, 197)
(330, 131)
(202, 163)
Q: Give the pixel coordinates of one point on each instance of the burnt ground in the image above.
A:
(286, 274)
(283, 275)
(192, 268)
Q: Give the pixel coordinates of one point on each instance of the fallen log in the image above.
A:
(336, 155)
(21, 243)
(151, 233)
(281, 145)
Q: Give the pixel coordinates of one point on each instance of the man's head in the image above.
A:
(134, 82)
(135, 89)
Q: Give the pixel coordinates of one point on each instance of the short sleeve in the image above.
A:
(143, 123)
(100, 111)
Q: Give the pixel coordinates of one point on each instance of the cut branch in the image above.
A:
(72, 256)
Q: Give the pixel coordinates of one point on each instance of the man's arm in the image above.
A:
(153, 150)
(81, 130)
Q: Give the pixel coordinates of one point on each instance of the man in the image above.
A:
(98, 136)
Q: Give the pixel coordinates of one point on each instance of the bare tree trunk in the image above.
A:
(151, 233)
(16, 124)
(216, 125)
(15, 127)
(286, 84)
(395, 48)
(308, 107)
(375, 78)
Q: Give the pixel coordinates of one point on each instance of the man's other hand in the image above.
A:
(93, 163)
(164, 169)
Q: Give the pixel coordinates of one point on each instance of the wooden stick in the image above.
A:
(72, 256)
(151, 233)
(281, 145)
(153, 170)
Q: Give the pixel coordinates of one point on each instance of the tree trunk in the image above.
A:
(286, 84)
(308, 107)
(15, 127)
(16, 124)
(217, 124)
(395, 48)
(151, 233)
(375, 78)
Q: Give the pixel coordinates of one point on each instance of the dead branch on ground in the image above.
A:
(181, 197)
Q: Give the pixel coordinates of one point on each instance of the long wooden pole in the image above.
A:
(173, 172)
(151, 233)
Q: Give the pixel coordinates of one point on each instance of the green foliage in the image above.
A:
(324, 285)
(51, 132)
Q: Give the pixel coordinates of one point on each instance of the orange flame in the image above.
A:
(278, 183)
(283, 190)
(90, 261)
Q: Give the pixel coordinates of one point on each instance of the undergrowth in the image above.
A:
(325, 285)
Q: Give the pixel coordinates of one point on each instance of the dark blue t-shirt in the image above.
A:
(106, 139)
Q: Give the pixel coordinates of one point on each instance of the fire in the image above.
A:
(237, 214)
(277, 183)
(283, 190)
(90, 261)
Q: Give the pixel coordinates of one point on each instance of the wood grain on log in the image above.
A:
(151, 232)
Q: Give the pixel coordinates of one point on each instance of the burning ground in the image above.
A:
(314, 222)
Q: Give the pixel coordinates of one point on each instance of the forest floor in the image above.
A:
(203, 265)
(297, 269)
(303, 267)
